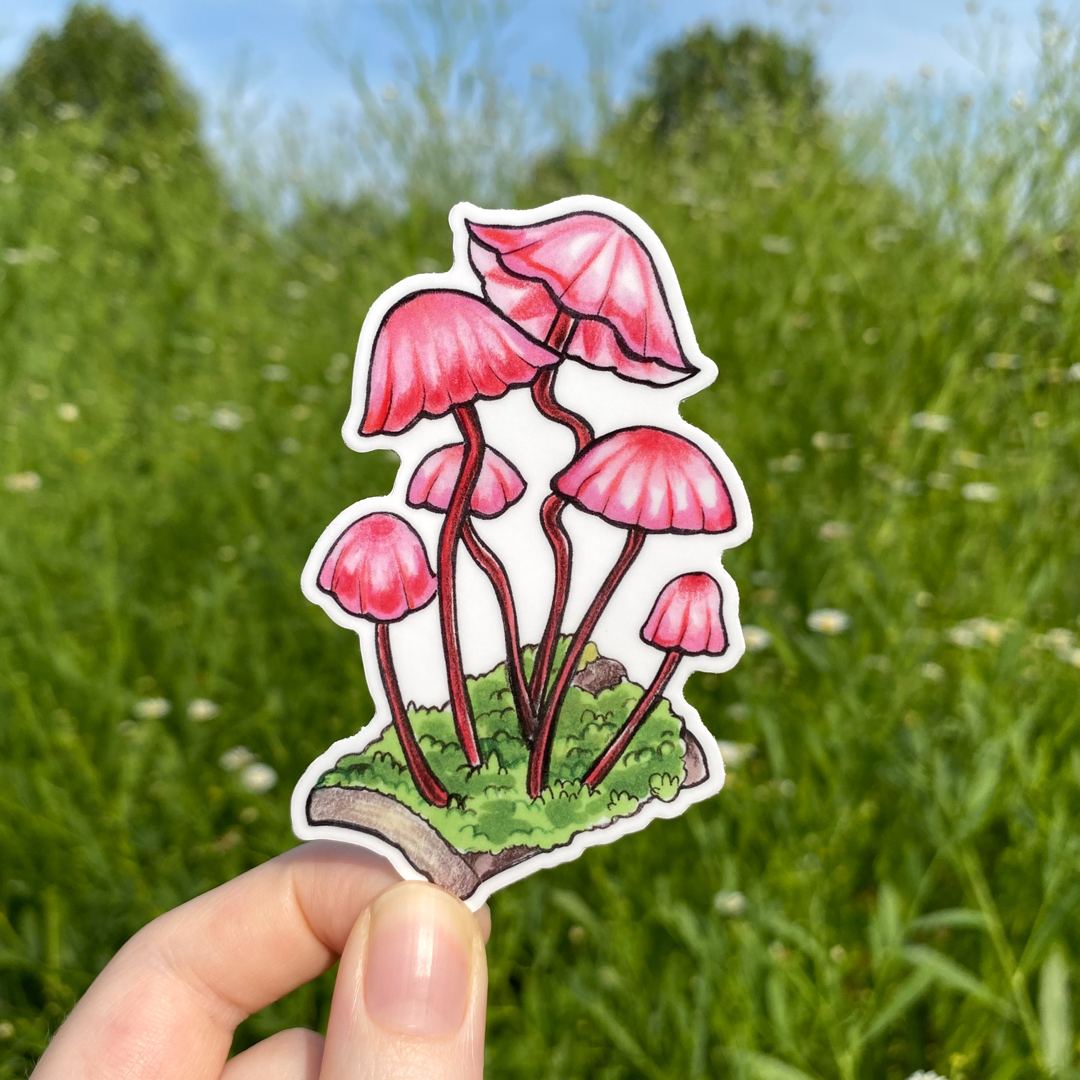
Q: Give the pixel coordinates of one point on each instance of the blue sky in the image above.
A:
(208, 38)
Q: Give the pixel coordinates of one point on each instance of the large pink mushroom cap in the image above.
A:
(687, 617)
(442, 348)
(378, 569)
(597, 271)
(499, 485)
(650, 479)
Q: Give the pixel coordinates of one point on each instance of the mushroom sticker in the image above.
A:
(546, 571)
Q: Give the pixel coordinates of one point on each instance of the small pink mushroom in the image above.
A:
(647, 480)
(686, 620)
(378, 570)
(438, 352)
(499, 486)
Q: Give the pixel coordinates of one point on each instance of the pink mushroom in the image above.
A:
(499, 486)
(378, 570)
(686, 620)
(438, 352)
(585, 285)
(647, 480)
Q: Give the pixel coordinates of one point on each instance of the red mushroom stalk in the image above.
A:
(378, 570)
(646, 480)
(686, 620)
(439, 352)
(551, 520)
(497, 488)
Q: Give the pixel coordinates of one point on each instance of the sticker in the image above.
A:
(546, 572)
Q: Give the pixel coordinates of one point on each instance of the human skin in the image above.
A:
(409, 1000)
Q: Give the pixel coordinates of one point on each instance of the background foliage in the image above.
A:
(890, 879)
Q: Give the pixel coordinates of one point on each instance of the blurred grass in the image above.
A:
(890, 883)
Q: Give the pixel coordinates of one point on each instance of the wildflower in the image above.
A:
(837, 954)
(1071, 656)
(67, 110)
(1040, 419)
(834, 530)
(787, 788)
(928, 421)
(738, 712)
(296, 290)
(871, 335)
(1058, 640)
(968, 459)
(7, 1030)
(972, 633)
(940, 480)
(226, 419)
(1073, 374)
(829, 621)
(924, 599)
(202, 709)
(7, 176)
(932, 672)
(732, 905)
(980, 492)
(22, 482)
(1000, 361)
(792, 462)
(152, 708)
(735, 753)
(756, 638)
(258, 777)
(925, 1074)
(236, 758)
(289, 445)
(68, 412)
(824, 440)
(275, 372)
(1039, 290)
(778, 245)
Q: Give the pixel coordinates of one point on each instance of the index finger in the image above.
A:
(166, 1006)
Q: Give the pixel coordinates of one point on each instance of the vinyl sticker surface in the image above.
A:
(546, 571)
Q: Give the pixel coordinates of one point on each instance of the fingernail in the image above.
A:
(418, 961)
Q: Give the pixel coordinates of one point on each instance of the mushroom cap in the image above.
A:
(687, 616)
(651, 479)
(598, 271)
(378, 569)
(442, 348)
(500, 485)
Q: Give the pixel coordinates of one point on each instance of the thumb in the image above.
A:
(411, 992)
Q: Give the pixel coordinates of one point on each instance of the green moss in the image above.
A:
(489, 808)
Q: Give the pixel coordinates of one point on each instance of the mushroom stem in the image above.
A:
(427, 783)
(472, 460)
(543, 392)
(551, 519)
(540, 756)
(489, 562)
(617, 747)
(562, 326)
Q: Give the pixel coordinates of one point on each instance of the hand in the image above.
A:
(409, 1001)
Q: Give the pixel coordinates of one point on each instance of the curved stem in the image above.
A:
(562, 328)
(551, 519)
(540, 757)
(489, 562)
(472, 459)
(427, 783)
(617, 747)
(543, 393)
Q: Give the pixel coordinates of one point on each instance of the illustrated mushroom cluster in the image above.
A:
(581, 288)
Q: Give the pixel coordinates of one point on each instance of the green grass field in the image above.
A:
(891, 877)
